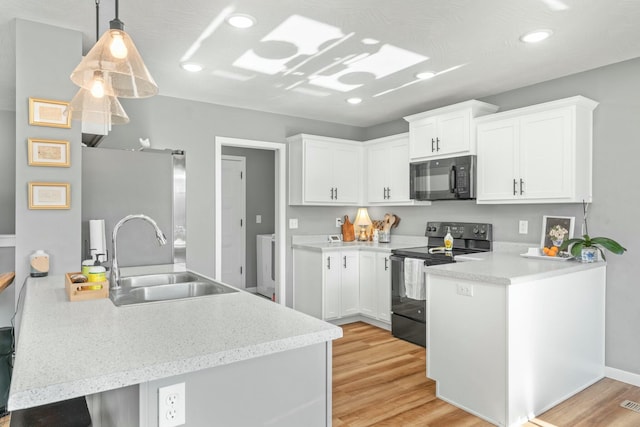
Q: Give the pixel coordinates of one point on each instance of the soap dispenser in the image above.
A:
(448, 240)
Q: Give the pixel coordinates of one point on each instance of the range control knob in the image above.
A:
(475, 230)
(483, 230)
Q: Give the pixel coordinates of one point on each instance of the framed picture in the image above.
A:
(556, 229)
(44, 112)
(49, 195)
(48, 152)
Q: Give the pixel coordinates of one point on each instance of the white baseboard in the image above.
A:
(361, 318)
(624, 376)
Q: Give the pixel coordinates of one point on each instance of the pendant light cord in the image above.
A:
(97, 20)
(117, 2)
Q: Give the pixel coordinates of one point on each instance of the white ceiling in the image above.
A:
(295, 60)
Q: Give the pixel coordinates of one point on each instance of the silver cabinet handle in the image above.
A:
(514, 187)
(386, 264)
(432, 144)
(437, 144)
(384, 193)
(336, 193)
(328, 263)
(345, 261)
(521, 185)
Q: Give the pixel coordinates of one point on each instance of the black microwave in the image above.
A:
(444, 179)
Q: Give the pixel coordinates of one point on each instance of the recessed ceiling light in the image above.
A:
(536, 36)
(425, 75)
(191, 66)
(240, 20)
(370, 41)
(354, 101)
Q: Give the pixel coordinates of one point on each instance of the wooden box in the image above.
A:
(82, 291)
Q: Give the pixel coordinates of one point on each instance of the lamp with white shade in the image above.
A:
(363, 221)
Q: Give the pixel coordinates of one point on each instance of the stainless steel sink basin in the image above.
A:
(165, 287)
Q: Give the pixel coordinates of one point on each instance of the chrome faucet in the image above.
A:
(115, 270)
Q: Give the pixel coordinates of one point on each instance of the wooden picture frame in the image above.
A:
(49, 195)
(556, 229)
(48, 152)
(46, 112)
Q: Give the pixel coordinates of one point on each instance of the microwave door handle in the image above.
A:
(452, 179)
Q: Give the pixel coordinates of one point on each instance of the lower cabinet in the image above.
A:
(331, 285)
(375, 285)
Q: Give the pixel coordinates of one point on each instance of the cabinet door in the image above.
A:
(398, 171)
(546, 166)
(318, 181)
(350, 290)
(454, 135)
(422, 136)
(383, 286)
(377, 165)
(332, 272)
(497, 160)
(346, 173)
(368, 284)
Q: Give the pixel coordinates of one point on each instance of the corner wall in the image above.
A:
(45, 56)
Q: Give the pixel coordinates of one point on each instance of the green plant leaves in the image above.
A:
(576, 245)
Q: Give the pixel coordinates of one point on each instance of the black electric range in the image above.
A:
(408, 300)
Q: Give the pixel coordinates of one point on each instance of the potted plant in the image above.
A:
(587, 247)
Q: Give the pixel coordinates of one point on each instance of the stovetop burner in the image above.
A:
(468, 238)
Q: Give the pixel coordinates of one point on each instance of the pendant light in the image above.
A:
(93, 107)
(114, 67)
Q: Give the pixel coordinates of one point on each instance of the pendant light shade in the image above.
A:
(122, 69)
(104, 111)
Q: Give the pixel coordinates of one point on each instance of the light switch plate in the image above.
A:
(258, 219)
(523, 226)
(293, 223)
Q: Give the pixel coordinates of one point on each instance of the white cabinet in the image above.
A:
(375, 285)
(387, 165)
(537, 154)
(445, 132)
(324, 171)
(326, 284)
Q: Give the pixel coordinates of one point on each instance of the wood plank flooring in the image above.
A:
(379, 380)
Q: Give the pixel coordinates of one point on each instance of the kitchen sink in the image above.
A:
(165, 287)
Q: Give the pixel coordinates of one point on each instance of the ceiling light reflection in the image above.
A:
(354, 101)
(536, 36)
(240, 20)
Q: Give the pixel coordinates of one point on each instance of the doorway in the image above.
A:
(234, 220)
(280, 206)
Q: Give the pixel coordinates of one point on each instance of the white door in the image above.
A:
(350, 283)
(345, 167)
(498, 171)
(398, 163)
(422, 135)
(318, 180)
(377, 173)
(331, 298)
(454, 133)
(233, 220)
(383, 284)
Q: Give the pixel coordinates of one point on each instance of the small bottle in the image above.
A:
(39, 263)
(448, 240)
(376, 235)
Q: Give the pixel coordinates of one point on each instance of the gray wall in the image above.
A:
(45, 56)
(7, 172)
(260, 183)
(615, 209)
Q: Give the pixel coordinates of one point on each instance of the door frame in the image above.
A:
(243, 231)
(280, 204)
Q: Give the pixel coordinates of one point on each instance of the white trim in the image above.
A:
(7, 240)
(620, 375)
(280, 202)
(243, 201)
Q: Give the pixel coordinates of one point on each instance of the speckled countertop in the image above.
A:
(506, 268)
(321, 243)
(70, 349)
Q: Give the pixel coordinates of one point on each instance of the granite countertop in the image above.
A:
(321, 243)
(506, 268)
(70, 349)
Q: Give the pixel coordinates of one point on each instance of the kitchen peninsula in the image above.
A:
(228, 349)
(509, 337)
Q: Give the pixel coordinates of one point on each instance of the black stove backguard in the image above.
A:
(409, 316)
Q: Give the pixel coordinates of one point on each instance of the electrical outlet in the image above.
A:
(338, 222)
(293, 223)
(465, 289)
(523, 226)
(171, 406)
(258, 219)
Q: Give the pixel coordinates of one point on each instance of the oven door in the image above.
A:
(400, 304)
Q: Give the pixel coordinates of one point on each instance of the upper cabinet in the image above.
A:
(537, 154)
(445, 132)
(324, 171)
(387, 166)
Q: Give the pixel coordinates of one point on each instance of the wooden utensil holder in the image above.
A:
(75, 291)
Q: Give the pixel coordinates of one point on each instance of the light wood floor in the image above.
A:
(379, 380)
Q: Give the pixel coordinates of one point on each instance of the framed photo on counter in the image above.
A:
(556, 229)
(44, 112)
(48, 152)
(49, 195)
